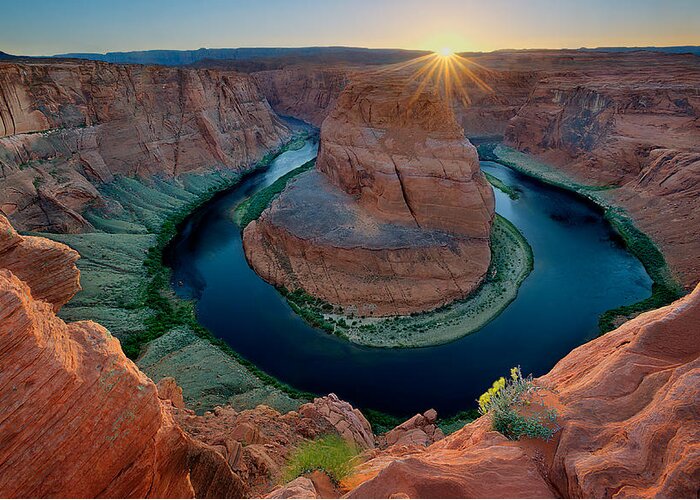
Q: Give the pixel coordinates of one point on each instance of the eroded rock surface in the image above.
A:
(395, 219)
(67, 127)
(78, 418)
(46, 266)
(628, 406)
(419, 430)
(257, 442)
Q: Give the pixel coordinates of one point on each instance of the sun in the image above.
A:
(446, 52)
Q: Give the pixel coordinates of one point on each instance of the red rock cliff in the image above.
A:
(397, 148)
(305, 92)
(70, 126)
(77, 418)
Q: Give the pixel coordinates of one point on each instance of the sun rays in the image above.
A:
(450, 73)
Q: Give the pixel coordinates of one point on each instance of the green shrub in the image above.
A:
(330, 454)
(513, 410)
(251, 209)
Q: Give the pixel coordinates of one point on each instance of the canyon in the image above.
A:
(627, 407)
(102, 155)
(397, 215)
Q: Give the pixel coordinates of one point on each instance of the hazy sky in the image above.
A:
(42, 27)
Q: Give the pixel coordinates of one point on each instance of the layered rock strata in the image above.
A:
(395, 219)
(628, 406)
(308, 93)
(67, 127)
(78, 418)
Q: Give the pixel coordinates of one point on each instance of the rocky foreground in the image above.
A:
(396, 217)
(80, 420)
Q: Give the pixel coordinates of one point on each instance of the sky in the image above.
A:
(47, 27)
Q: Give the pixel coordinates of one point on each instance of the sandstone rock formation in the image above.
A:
(630, 121)
(67, 127)
(46, 266)
(419, 430)
(308, 93)
(397, 217)
(78, 418)
(301, 487)
(628, 406)
(168, 390)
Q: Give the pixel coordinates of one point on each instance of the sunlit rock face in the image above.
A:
(395, 219)
(399, 151)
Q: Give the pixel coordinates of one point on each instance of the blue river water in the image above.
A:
(581, 269)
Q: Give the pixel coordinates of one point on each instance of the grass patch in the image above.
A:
(456, 422)
(512, 193)
(382, 422)
(665, 289)
(330, 454)
(514, 411)
(251, 208)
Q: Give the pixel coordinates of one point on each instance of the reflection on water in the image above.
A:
(581, 270)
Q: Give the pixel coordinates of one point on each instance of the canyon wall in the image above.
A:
(632, 123)
(68, 127)
(304, 92)
(395, 219)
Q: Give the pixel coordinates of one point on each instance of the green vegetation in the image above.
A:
(456, 422)
(512, 193)
(132, 297)
(311, 309)
(251, 208)
(665, 289)
(513, 410)
(382, 422)
(330, 454)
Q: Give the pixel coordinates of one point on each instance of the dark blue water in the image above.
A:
(581, 270)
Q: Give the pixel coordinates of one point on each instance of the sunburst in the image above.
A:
(446, 70)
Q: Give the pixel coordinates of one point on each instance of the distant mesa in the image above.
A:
(396, 217)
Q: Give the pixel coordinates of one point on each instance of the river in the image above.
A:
(581, 269)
